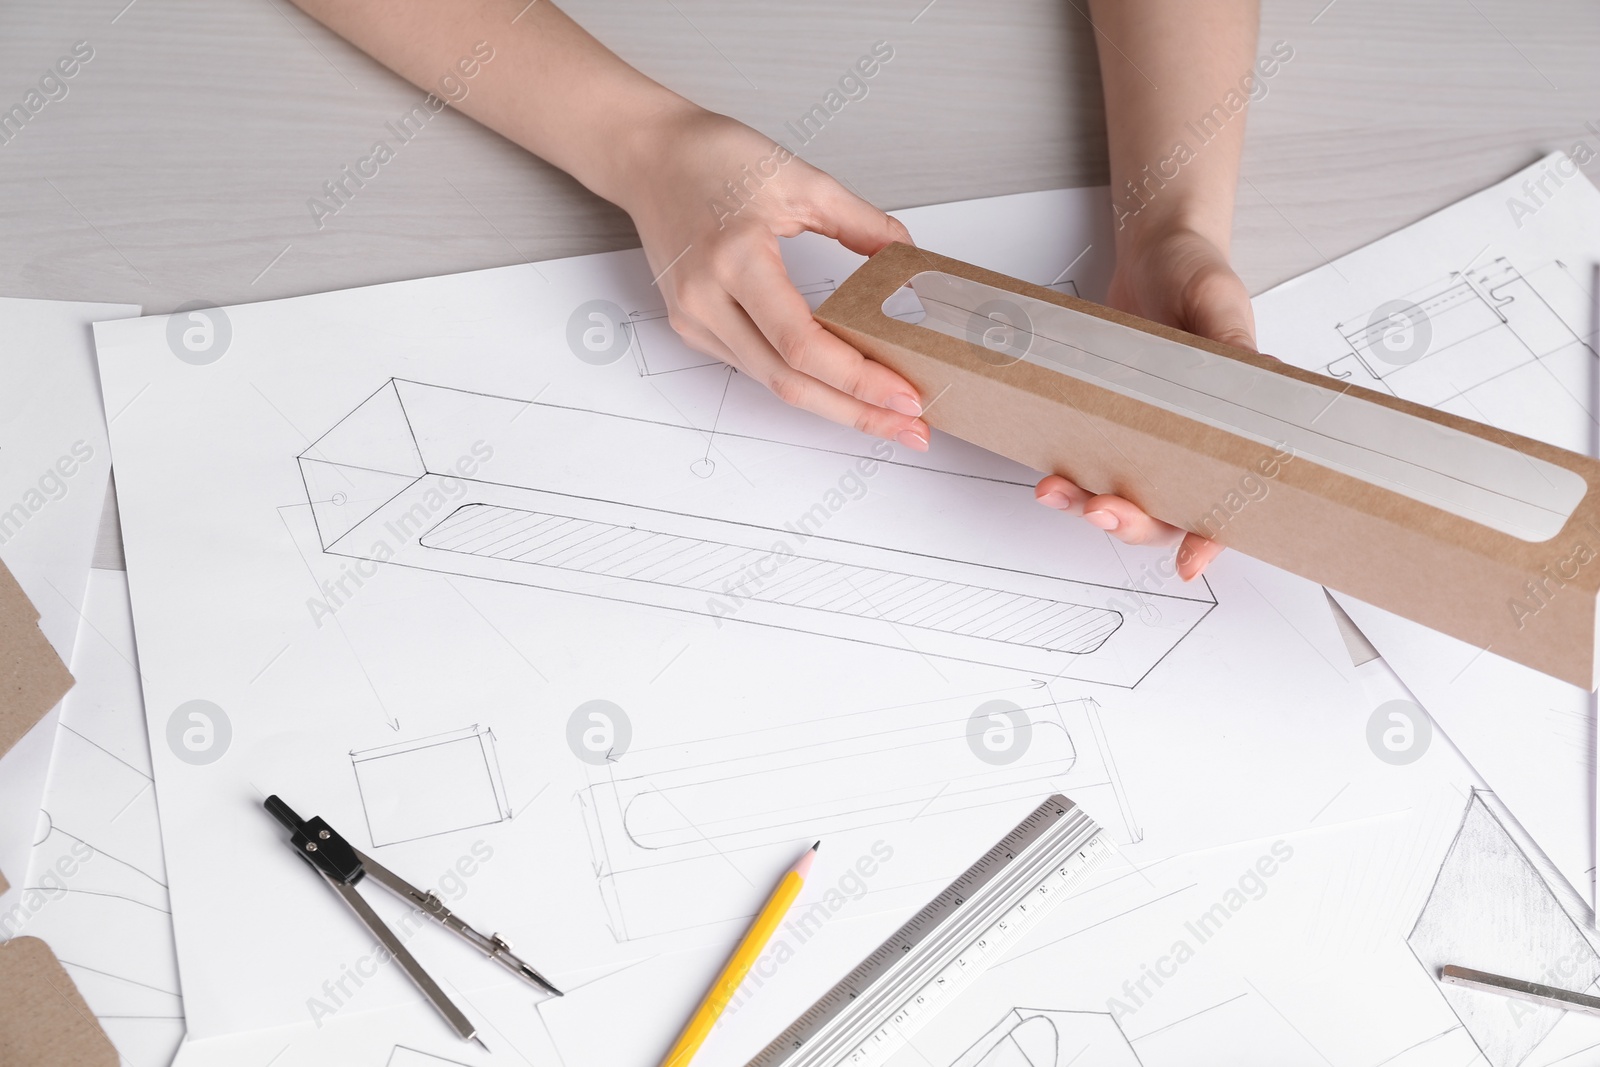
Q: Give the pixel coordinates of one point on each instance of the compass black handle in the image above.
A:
(283, 813)
(318, 843)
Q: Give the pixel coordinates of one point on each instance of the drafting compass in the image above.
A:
(343, 866)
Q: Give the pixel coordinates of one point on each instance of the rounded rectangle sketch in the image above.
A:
(430, 786)
(665, 818)
(690, 568)
(515, 491)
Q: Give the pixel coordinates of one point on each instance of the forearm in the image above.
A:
(1177, 75)
(549, 86)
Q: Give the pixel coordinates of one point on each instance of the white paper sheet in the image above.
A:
(54, 462)
(1486, 310)
(346, 666)
(97, 875)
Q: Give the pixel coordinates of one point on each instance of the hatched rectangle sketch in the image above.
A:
(515, 491)
(708, 564)
(658, 350)
(1493, 908)
(464, 790)
(1470, 329)
(1036, 1037)
(667, 817)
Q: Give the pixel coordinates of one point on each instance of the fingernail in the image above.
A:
(913, 440)
(1103, 519)
(1059, 501)
(904, 403)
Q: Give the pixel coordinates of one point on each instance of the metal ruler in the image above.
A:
(946, 946)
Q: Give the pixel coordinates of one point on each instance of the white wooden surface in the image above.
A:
(179, 164)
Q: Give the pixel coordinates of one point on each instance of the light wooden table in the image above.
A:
(179, 164)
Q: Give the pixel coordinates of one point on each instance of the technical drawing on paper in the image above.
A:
(462, 770)
(406, 1056)
(671, 814)
(1495, 909)
(1473, 328)
(118, 884)
(98, 864)
(658, 350)
(511, 490)
(1036, 1037)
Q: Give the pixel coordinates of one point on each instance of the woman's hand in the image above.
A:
(710, 198)
(1181, 279)
(709, 195)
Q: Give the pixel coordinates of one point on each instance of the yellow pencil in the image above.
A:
(744, 957)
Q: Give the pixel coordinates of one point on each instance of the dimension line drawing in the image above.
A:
(657, 348)
(604, 505)
(670, 815)
(1469, 330)
(1495, 908)
(430, 786)
(1037, 1037)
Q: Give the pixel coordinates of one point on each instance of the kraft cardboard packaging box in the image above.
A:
(32, 677)
(43, 1018)
(45, 1022)
(1487, 536)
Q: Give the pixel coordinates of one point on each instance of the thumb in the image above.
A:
(1223, 313)
(863, 229)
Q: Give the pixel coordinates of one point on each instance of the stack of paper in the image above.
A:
(587, 634)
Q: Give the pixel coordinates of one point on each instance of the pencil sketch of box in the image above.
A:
(663, 822)
(430, 786)
(602, 505)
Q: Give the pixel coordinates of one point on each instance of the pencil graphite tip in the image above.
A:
(803, 867)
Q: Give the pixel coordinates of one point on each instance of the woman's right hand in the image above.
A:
(710, 197)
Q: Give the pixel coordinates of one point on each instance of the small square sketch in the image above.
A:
(433, 785)
(405, 1056)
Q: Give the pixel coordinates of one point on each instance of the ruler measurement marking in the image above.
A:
(941, 949)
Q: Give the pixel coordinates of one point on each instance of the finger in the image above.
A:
(703, 340)
(762, 362)
(784, 319)
(1195, 553)
(1219, 308)
(1054, 491)
(850, 220)
(1127, 522)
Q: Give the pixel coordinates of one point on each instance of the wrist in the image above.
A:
(630, 160)
(1145, 215)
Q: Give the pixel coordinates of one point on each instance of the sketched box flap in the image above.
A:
(361, 463)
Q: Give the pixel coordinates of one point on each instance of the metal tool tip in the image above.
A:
(476, 1040)
(539, 980)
